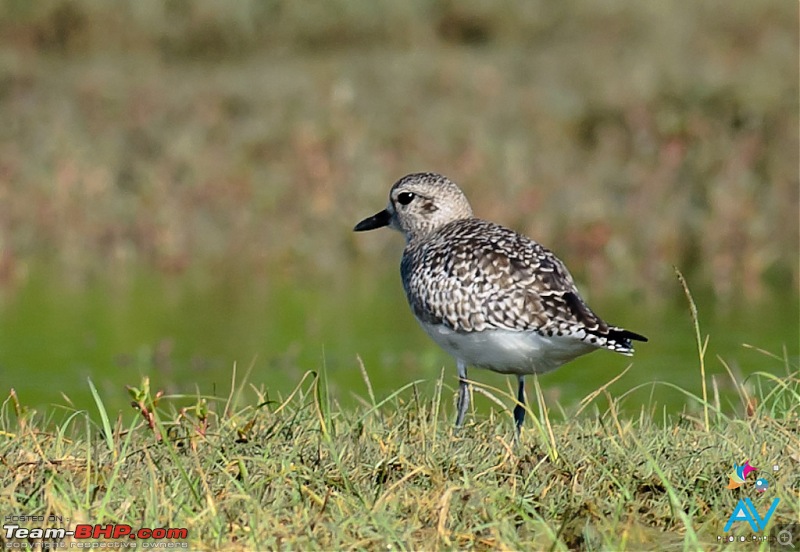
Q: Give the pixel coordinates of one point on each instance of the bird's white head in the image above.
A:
(419, 204)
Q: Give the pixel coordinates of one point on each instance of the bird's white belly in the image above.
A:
(506, 351)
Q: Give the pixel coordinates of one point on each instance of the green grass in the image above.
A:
(302, 473)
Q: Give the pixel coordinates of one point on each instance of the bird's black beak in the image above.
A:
(378, 220)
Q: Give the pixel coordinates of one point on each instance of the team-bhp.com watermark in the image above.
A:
(84, 535)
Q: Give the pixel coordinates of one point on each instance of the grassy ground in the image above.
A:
(302, 473)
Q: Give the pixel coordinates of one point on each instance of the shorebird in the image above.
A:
(487, 295)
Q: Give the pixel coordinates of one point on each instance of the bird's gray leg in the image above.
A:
(463, 393)
(519, 410)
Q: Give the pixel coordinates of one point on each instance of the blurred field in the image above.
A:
(628, 137)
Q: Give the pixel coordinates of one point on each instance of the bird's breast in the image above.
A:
(507, 351)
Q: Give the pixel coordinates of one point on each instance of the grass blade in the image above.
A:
(107, 432)
(701, 344)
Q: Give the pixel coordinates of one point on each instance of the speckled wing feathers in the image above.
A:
(474, 275)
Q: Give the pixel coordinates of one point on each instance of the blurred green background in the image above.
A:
(179, 182)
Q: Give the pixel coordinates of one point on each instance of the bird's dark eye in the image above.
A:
(404, 198)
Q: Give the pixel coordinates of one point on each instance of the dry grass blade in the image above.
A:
(701, 344)
(587, 400)
(366, 379)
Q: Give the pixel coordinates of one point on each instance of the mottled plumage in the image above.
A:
(489, 296)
